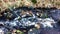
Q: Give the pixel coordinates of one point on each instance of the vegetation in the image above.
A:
(34, 1)
(19, 32)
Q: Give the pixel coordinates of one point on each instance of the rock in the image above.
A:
(37, 25)
(34, 31)
(55, 14)
(3, 30)
(51, 31)
(47, 22)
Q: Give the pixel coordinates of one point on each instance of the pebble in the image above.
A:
(37, 26)
(30, 29)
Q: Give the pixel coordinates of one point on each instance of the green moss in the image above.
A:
(8, 32)
(20, 32)
(19, 18)
(44, 15)
(34, 1)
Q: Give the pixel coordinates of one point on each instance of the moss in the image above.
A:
(19, 18)
(18, 31)
(8, 32)
(34, 1)
(44, 15)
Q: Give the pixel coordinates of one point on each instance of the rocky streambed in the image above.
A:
(30, 20)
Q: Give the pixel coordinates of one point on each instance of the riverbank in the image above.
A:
(4, 4)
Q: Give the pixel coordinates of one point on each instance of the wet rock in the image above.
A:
(51, 31)
(3, 30)
(47, 22)
(34, 31)
(37, 25)
(26, 22)
(55, 14)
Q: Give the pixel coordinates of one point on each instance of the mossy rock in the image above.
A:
(20, 32)
(34, 1)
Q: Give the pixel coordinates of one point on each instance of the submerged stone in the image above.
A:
(55, 14)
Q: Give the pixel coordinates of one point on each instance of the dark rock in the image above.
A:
(51, 31)
(55, 14)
